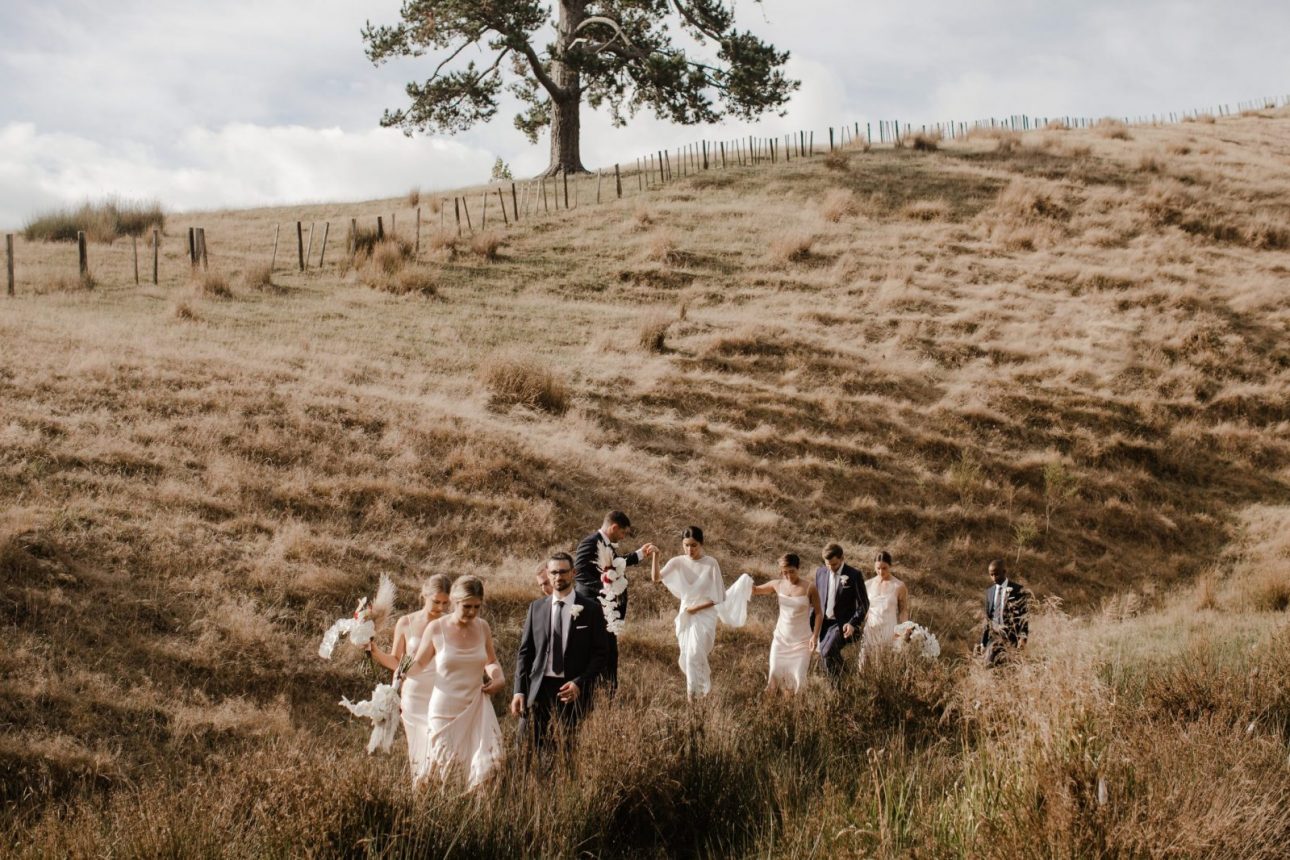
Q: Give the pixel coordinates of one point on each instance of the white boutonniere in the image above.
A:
(575, 610)
(844, 581)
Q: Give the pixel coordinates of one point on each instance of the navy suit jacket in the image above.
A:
(1016, 610)
(850, 604)
(586, 569)
(584, 654)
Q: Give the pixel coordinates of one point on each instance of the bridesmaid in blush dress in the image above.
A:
(414, 692)
(794, 640)
(463, 737)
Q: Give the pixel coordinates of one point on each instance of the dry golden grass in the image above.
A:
(211, 285)
(194, 488)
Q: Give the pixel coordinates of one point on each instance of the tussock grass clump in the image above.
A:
(443, 242)
(1008, 143)
(838, 161)
(389, 256)
(839, 203)
(653, 333)
(643, 218)
(524, 382)
(661, 248)
(486, 245)
(211, 285)
(71, 283)
(260, 277)
(793, 248)
(101, 222)
(182, 310)
(926, 210)
(923, 141)
(414, 197)
(1113, 129)
(364, 241)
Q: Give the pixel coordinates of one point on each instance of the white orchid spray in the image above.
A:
(574, 611)
(383, 710)
(917, 637)
(361, 627)
(613, 582)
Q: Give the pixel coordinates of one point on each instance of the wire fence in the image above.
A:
(510, 203)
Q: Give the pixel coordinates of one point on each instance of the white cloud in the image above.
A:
(237, 102)
(239, 164)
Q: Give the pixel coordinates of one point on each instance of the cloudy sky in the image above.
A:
(247, 102)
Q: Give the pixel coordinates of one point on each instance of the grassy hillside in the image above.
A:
(1068, 348)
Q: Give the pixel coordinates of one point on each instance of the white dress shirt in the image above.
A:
(834, 576)
(614, 546)
(1000, 598)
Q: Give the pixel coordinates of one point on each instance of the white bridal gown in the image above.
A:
(695, 581)
(414, 701)
(790, 647)
(463, 732)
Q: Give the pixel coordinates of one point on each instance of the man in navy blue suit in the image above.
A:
(845, 603)
(562, 654)
(1007, 615)
(586, 564)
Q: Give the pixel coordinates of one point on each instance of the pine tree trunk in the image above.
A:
(566, 123)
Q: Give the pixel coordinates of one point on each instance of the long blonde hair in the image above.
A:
(440, 583)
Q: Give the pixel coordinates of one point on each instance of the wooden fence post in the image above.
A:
(326, 233)
(546, 208)
(309, 248)
(830, 138)
(192, 247)
(723, 154)
(466, 209)
(392, 229)
(416, 252)
(156, 253)
(515, 204)
(565, 174)
(353, 238)
(506, 222)
(483, 210)
(380, 228)
(82, 253)
(300, 244)
(456, 208)
(618, 182)
(8, 256)
(134, 247)
(597, 184)
(277, 228)
(201, 244)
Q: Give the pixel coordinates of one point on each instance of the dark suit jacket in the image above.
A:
(584, 654)
(850, 604)
(1016, 609)
(586, 569)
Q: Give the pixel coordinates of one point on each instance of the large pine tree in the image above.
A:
(623, 54)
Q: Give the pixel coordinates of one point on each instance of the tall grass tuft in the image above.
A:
(524, 382)
(101, 222)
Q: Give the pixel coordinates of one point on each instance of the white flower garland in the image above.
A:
(916, 636)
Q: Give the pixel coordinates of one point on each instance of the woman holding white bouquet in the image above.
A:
(888, 607)
(462, 728)
(414, 691)
(694, 579)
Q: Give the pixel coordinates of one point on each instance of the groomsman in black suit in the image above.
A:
(845, 603)
(1007, 622)
(587, 565)
(562, 653)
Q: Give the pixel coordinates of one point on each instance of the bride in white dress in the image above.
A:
(794, 640)
(888, 607)
(414, 692)
(463, 735)
(695, 580)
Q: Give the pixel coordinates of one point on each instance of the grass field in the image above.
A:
(1067, 348)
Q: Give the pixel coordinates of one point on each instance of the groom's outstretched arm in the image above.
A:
(524, 659)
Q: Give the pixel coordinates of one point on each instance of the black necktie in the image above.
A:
(557, 641)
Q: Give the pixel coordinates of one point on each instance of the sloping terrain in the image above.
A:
(1070, 349)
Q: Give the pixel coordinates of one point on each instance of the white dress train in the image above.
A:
(695, 581)
(463, 735)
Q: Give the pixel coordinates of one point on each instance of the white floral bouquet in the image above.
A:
(360, 628)
(383, 710)
(613, 582)
(917, 637)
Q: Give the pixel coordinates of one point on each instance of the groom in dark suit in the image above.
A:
(1007, 610)
(587, 566)
(562, 653)
(845, 603)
